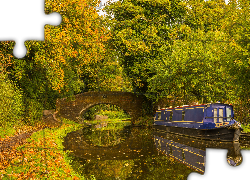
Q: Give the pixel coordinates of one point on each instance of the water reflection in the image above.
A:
(190, 156)
(128, 143)
(197, 147)
(139, 153)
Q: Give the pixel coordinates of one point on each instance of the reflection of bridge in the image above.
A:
(74, 109)
(132, 147)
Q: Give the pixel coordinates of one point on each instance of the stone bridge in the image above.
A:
(75, 107)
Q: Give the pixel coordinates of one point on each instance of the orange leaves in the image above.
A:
(80, 37)
(75, 178)
(5, 55)
(74, 53)
(37, 162)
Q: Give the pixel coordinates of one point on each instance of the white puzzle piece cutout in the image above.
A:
(23, 20)
(217, 168)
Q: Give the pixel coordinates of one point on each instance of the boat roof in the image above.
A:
(199, 105)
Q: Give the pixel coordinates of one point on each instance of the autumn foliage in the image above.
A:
(55, 68)
(77, 42)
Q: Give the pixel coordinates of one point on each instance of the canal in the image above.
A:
(117, 150)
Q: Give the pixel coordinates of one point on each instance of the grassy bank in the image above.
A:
(42, 157)
(11, 130)
(246, 128)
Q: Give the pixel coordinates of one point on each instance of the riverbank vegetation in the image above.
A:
(42, 157)
(109, 110)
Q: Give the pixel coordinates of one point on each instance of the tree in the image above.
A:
(185, 49)
(107, 75)
(53, 68)
(141, 36)
(236, 59)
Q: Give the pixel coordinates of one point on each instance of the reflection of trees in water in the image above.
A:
(148, 168)
(105, 138)
(108, 169)
(148, 164)
(111, 135)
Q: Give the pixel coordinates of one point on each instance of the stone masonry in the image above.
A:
(75, 108)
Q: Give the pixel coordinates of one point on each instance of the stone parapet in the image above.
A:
(75, 107)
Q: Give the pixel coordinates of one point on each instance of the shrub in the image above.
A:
(114, 114)
(32, 111)
(112, 111)
(11, 104)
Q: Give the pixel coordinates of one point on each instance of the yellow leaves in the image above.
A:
(185, 29)
(150, 31)
(58, 82)
(80, 36)
(77, 42)
(66, 20)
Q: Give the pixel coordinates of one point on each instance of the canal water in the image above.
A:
(119, 151)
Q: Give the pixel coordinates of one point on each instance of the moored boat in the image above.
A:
(206, 121)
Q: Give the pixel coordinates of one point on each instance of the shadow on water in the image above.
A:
(126, 152)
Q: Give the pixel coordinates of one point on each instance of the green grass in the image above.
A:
(246, 128)
(7, 131)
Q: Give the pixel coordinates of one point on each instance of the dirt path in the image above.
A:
(14, 141)
(8, 148)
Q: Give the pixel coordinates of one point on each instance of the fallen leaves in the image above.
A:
(36, 160)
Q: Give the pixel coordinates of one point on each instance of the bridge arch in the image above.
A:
(93, 105)
(74, 108)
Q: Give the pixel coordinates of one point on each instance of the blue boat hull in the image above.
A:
(229, 133)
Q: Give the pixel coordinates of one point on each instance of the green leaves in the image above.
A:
(140, 33)
(11, 106)
(194, 48)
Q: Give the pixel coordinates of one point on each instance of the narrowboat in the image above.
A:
(206, 121)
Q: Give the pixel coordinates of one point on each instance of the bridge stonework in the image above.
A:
(75, 107)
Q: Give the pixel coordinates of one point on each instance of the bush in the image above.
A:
(11, 106)
(33, 111)
(114, 114)
(112, 111)
(90, 114)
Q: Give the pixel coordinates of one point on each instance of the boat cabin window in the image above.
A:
(215, 115)
(220, 115)
(171, 116)
(159, 115)
(183, 115)
(229, 114)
